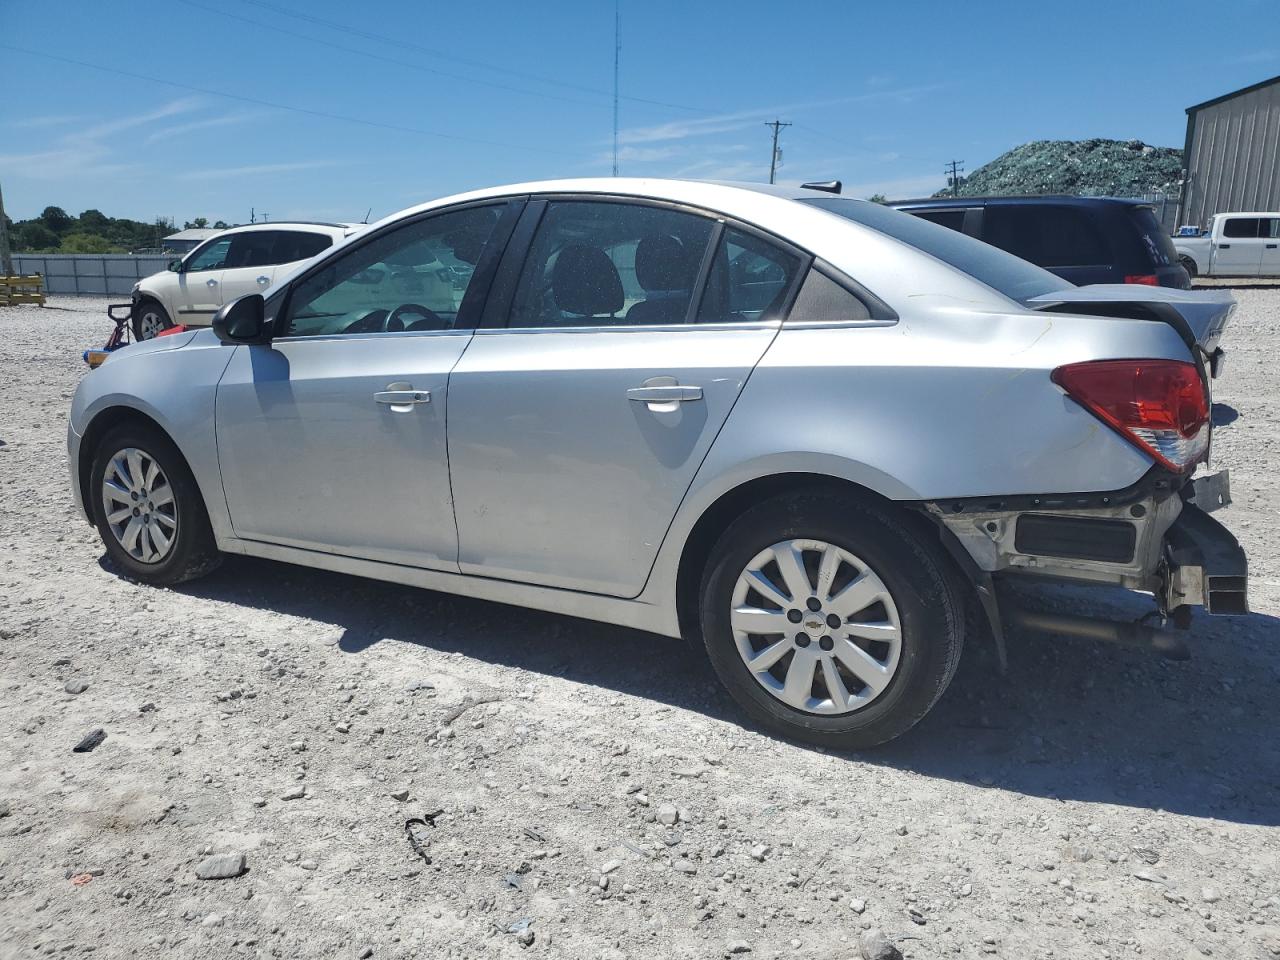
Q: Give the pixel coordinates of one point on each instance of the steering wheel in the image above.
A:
(393, 322)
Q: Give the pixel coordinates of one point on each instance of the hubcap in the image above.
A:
(816, 627)
(150, 325)
(139, 505)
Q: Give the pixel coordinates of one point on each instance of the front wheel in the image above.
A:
(148, 509)
(830, 621)
(149, 319)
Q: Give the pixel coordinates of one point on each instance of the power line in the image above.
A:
(385, 59)
(526, 148)
(775, 155)
(446, 55)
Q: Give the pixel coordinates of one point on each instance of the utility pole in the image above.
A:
(252, 217)
(775, 156)
(6, 260)
(953, 169)
(617, 57)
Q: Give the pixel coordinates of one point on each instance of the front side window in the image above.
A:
(749, 280)
(212, 256)
(594, 263)
(413, 277)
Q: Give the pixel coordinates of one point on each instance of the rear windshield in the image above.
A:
(1154, 239)
(1003, 272)
(1049, 236)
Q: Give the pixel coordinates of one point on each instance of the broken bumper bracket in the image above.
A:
(1206, 564)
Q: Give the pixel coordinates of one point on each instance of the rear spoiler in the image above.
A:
(1199, 316)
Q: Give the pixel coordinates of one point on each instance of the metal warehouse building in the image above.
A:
(1232, 154)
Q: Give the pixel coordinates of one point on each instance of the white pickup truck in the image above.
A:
(1233, 245)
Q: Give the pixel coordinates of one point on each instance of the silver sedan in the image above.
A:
(810, 431)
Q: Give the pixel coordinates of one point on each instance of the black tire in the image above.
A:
(1189, 265)
(149, 318)
(919, 578)
(192, 552)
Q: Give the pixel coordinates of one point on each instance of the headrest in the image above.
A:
(585, 281)
(662, 264)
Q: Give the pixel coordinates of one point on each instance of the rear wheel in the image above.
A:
(149, 319)
(1189, 265)
(829, 621)
(148, 509)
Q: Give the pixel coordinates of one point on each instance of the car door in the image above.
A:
(332, 437)
(584, 405)
(199, 291)
(1238, 251)
(1270, 266)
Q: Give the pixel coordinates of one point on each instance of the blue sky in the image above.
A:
(262, 94)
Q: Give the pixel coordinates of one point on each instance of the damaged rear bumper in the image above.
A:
(1156, 536)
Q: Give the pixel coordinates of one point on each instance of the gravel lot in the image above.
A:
(599, 796)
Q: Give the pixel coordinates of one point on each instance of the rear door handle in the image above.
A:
(402, 401)
(664, 394)
(211, 283)
(264, 279)
(1271, 246)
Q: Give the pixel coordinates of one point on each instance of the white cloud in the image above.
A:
(254, 170)
(178, 130)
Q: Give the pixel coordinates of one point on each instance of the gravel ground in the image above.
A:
(597, 795)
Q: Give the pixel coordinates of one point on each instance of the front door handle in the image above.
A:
(402, 397)
(663, 394)
(211, 283)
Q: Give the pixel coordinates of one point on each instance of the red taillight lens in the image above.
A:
(178, 328)
(1147, 279)
(1159, 405)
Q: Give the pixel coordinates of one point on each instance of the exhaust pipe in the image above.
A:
(1127, 634)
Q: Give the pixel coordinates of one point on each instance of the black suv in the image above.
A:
(1081, 239)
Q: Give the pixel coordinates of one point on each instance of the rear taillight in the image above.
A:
(1147, 279)
(1159, 405)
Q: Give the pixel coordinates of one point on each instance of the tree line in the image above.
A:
(56, 231)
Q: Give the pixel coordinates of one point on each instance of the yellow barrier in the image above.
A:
(22, 289)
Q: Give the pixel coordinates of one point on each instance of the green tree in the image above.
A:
(94, 221)
(56, 219)
(85, 243)
(878, 198)
(32, 236)
(221, 225)
(199, 223)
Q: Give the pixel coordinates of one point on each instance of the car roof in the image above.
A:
(1056, 200)
(277, 224)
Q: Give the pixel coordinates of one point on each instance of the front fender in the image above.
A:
(172, 384)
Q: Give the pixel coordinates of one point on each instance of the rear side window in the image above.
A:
(1002, 272)
(253, 249)
(1246, 228)
(822, 300)
(951, 219)
(749, 280)
(1157, 244)
(595, 263)
(294, 245)
(1046, 235)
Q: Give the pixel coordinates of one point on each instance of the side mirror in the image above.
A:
(243, 321)
(174, 266)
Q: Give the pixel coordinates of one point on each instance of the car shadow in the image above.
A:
(1223, 414)
(1072, 719)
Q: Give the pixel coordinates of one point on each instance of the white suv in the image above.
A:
(235, 262)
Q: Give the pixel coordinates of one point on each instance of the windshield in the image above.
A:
(1016, 279)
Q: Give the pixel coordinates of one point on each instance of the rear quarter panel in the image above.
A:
(948, 403)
